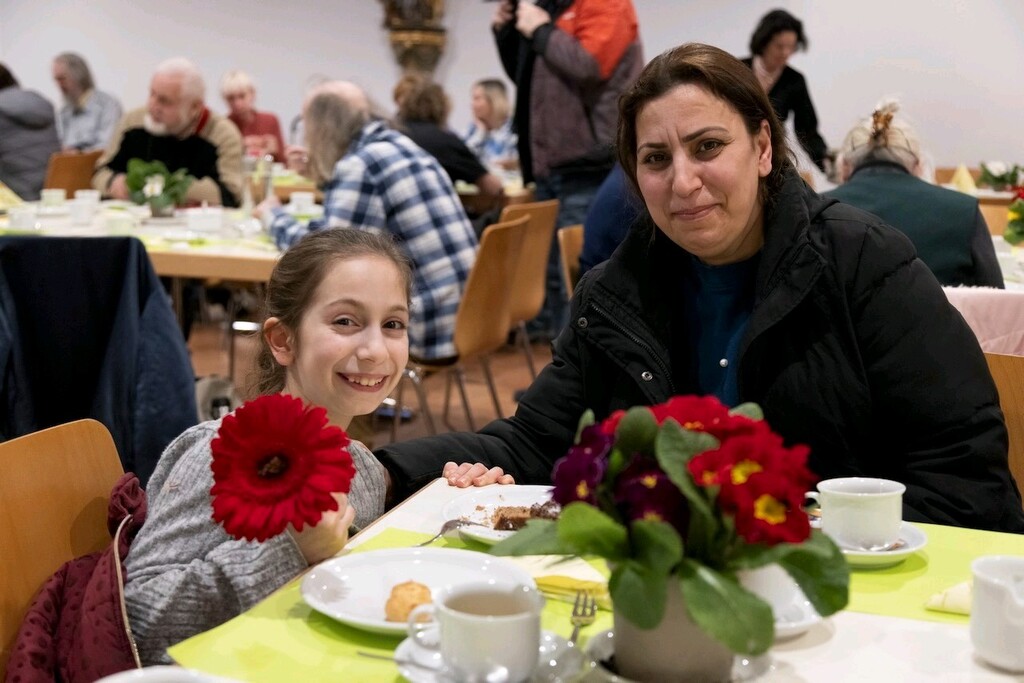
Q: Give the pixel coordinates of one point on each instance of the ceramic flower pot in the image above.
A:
(674, 650)
(161, 208)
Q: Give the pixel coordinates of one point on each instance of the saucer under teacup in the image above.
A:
(911, 539)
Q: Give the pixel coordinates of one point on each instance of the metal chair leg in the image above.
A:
(416, 377)
(397, 419)
(490, 385)
(460, 374)
(523, 338)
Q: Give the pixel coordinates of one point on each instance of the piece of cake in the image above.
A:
(404, 598)
(515, 517)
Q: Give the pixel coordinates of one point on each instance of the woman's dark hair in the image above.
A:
(776, 21)
(7, 79)
(296, 277)
(721, 74)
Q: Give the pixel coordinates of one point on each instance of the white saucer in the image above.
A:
(796, 619)
(912, 538)
(420, 665)
(601, 647)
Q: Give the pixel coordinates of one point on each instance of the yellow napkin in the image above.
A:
(8, 198)
(562, 579)
(963, 181)
(955, 599)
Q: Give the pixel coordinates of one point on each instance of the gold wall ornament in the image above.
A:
(416, 33)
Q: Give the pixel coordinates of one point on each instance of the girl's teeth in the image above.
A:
(366, 382)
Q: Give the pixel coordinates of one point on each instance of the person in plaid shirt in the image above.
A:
(375, 178)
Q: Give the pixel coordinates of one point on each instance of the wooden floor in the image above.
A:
(209, 349)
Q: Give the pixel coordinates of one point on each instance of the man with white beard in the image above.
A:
(176, 127)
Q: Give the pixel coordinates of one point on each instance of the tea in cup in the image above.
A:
(52, 197)
(482, 630)
(997, 611)
(861, 513)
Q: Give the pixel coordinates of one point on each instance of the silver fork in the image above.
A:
(450, 525)
(584, 612)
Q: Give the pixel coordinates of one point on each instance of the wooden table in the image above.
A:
(854, 645)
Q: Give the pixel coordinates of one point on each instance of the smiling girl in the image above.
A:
(335, 336)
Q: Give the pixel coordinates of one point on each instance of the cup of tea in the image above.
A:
(997, 611)
(52, 197)
(861, 513)
(482, 630)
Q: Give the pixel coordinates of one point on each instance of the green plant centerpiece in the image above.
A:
(999, 175)
(684, 497)
(149, 182)
(1014, 233)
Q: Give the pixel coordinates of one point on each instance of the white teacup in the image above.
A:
(302, 202)
(88, 195)
(482, 631)
(997, 611)
(22, 217)
(861, 513)
(82, 210)
(52, 197)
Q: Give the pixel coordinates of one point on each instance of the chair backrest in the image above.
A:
(71, 170)
(54, 489)
(528, 283)
(1008, 373)
(482, 322)
(570, 246)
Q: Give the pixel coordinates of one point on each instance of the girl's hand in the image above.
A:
(474, 474)
(329, 536)
(262, 209)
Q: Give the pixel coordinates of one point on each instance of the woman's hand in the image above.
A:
(329, 536)
(263, 209)
(529, 18)
(474, 474)
(502, 14)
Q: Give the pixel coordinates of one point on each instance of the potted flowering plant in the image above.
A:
(149, 182)
(1014, 233)
(999, 175)
(681, 498)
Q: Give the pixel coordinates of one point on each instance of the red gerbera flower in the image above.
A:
(277, 462)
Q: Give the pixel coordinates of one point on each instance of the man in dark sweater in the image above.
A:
(175, 127)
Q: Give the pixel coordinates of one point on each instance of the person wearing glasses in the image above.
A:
(880, 165)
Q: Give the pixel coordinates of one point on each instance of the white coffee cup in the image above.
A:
(22, 217)
(88, 195)
(302, 202)
(82, 210)
(482, 630)
(997, 611)
(861, 513)
(53, 197)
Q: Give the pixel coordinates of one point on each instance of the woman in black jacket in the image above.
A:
(778, 35)
(741, 282)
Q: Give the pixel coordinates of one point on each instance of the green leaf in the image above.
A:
(656, 545)
(751, 410)
(586, 420)
(636, 431)
(674, 447)
(585, 530)
(638, 593)
(820, 569)
(725, 610)
(538, 537)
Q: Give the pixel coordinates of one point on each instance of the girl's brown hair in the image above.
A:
(296, 277)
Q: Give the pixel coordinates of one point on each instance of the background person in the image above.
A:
(490, 134)
(88, 116)
(813, 309)
(261, 131)
(177, 128)
(28, 136)
(880, 168)
(778, 35)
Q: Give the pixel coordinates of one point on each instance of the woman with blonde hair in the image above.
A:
(490, 136)
(880, 166)
(261, 131)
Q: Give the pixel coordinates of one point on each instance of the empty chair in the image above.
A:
(71, 171)
(570, 246)
(482, 320)
(528, 282)
(1008, 373)
(54, 488)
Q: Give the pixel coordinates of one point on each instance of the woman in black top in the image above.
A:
(778, 35)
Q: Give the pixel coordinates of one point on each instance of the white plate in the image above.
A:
(164, 674)
(796, 619)
(354, 588)
(913, 540)
(601, 647)
(426, 664)
(479, 506)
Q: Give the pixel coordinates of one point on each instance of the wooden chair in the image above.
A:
(54, 489)
(997, 215)
(528, 285)
(71, 171)
(570, 246)
(481, 323)
(1008, 373)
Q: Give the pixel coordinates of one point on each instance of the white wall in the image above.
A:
(956, 64)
